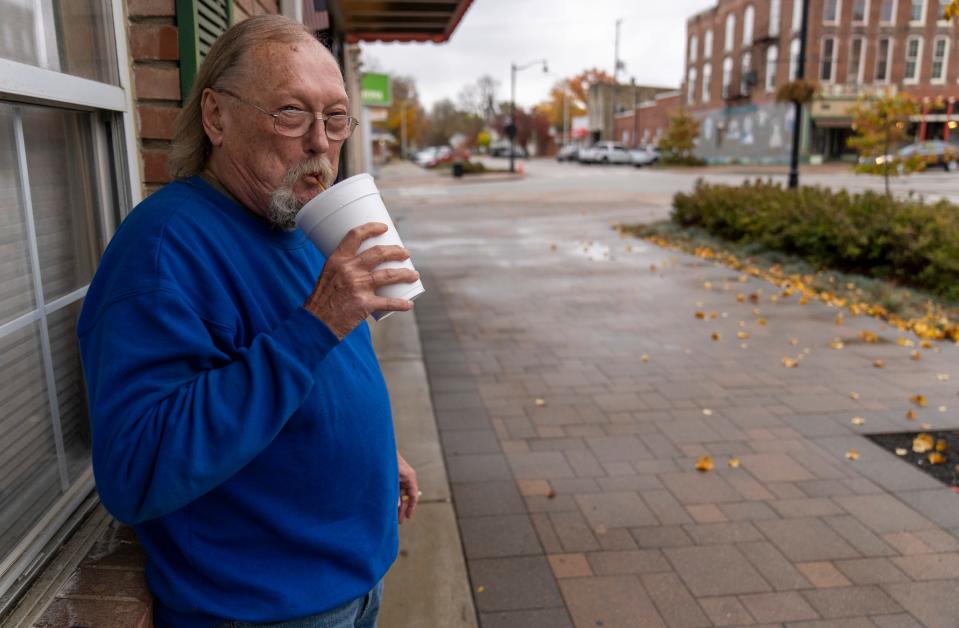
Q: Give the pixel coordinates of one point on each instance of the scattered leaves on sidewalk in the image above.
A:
(707, 412)
(837, 344)
(916, 356)
(858, 420)
(852, 454)
(790, 363)
(943, 377)
(936, 458)
(879, 364)
(715, 336)
(911, 415)
(840, 319)
(540, 402)
(705, 463)
(919, 400)
(794, 341)
(923, 443)
(644, 357)
(742, 335)
(734, 463)
(868, 336)
(700, 315)
(901, 451)
(854, 395)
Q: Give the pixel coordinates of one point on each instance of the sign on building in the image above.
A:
(375, 90)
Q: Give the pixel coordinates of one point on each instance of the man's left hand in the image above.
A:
(409, 489)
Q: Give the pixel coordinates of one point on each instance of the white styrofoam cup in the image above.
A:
(331, 214)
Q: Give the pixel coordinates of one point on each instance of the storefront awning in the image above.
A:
(399, 20)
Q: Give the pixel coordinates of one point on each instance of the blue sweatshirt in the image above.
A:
(251, 450)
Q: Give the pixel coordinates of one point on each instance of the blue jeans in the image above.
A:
(360, 613)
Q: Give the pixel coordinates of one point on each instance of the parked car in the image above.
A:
(431, 156)
(570, 152)
(644, 156)
(936, 154)
(606, 153)
(501, 149)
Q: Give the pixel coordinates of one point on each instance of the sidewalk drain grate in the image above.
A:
(901, 444)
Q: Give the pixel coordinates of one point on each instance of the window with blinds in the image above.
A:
(199, 24)
(49, 247)
(61, 177)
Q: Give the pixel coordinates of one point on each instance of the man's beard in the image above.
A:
(284, 205)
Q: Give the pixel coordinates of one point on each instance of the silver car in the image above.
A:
(606, 153)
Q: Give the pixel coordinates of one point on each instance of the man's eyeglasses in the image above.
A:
(291, 122)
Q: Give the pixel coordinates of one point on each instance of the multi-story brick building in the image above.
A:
(740, 51)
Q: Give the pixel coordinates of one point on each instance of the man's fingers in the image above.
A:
(394, 275)
(376, 255)
(355, 237)
(389, 304)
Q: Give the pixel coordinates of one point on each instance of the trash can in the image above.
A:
(457, 169)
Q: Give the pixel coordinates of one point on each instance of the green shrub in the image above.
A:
(908, 241)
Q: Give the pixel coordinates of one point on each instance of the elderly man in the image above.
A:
(240, 420)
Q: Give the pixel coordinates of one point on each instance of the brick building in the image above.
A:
(605, 101)
(740, 51)
(89, 91)
(648, 122)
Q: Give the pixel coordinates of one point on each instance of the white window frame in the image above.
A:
(918, 63)
(939, 13)
(838, 13)
(772, 62)
(797, 16)
(693, 48)
(891, 42)
(727, 83)
(831, 59)
(775, 17)
(729, 34)
(862, 59)
(892, 17)
(865, 14)
(794, 58)
(707, 80)
(29, 83)
(922, 17)
(691, 86)
(945, 60)
(708, 44)
(749, 24)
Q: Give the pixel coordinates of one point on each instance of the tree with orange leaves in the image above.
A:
(574, 90)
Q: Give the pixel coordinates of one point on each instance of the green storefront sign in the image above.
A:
(375, 90)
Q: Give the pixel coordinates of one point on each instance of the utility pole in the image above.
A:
(616, 63)
(800, 75)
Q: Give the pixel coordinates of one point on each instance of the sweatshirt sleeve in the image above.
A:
(173, 416)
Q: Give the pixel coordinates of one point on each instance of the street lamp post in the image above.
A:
(800, 75)
(511, 129)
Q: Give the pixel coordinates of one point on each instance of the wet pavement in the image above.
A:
(575, 390)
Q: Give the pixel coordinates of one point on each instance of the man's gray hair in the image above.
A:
(225, 66)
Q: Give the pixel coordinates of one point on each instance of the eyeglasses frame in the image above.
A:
(352, 122)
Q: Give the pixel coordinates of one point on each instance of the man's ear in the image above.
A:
(212, 114)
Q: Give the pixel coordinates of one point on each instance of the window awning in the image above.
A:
(399, 20)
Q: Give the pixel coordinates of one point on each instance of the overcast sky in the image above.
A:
(571, 34)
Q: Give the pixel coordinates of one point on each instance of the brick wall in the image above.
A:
(714, 19)
(155, 56)
(653, 119)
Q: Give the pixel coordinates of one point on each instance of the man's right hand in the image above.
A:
(344, 294)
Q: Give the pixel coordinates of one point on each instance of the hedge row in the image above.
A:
(908, 241)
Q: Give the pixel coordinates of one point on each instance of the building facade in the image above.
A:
(604, 101)
(740, 51)
(645, 125)
(89, 92)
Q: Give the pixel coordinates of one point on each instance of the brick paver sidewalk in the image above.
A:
(572, 460)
